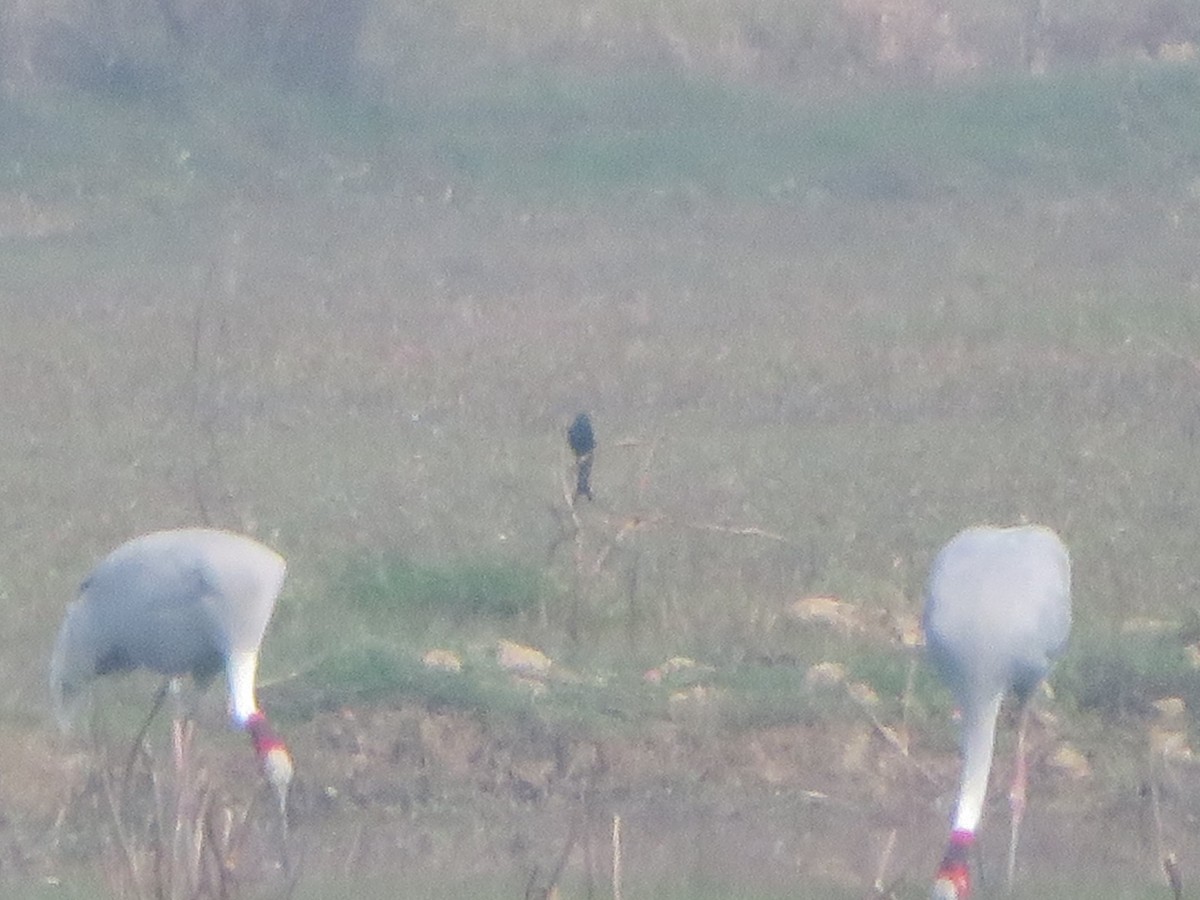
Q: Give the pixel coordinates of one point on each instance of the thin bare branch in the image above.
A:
(884, 859)
(132, 868)
(643, 481)
(1164, 346)
(739, 531)
(889, 735)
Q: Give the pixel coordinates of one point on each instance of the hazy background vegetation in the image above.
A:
(382, 46)
(834, 279)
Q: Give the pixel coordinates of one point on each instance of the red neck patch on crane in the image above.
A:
(954, 874)
(263, 735)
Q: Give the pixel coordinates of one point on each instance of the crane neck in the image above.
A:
(241, 666)
(263, 734)
(977, 744)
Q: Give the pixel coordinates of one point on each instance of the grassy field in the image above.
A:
(816, 340)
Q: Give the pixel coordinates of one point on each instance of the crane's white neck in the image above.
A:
(978, 740)
(240, 669)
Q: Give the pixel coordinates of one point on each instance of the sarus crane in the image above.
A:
(997, 615)
(191, 601)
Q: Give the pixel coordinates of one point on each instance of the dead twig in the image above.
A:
(616, 857)
(133, 870)
(174, 839)
(637, 523)
(742, 531)
(884, 858)
(643, 481)
(1171, 867)
(1167, 858)
(560, 864)
(892, 738)
(1164, 346)
(906, 698)
(627, 527)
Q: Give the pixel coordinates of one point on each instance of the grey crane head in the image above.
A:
(72, 664)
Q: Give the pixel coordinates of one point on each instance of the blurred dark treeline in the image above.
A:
(140, 46)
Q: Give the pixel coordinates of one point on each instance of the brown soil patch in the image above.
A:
(446, 795)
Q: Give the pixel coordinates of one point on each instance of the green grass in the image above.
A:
(405, 591)
(378, 672)
(1120, 675)
(383, 673)
(559, 136)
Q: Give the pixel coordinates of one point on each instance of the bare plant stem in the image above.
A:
(196, 390)
(884, 858)
(616, 856)
(906, 699)
(643, 481)
(560, 864)
(1167, 858)
(133, 871)
(893, 739)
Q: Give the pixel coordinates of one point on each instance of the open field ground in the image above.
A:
(816, 340)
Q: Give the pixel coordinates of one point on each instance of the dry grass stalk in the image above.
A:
(616, 856)
(550, 890)
(1163, 345)
(627, 527)
(891, 737)
(644, 471)
(884, 859)
(1167, 858)
(183, 844)
(1171, 867)
(906, 700)
(578, 834)
(131, 882)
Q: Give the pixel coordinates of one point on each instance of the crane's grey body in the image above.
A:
(998, 610)
(188, 601)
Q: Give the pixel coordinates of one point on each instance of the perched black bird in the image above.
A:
(582, 441)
